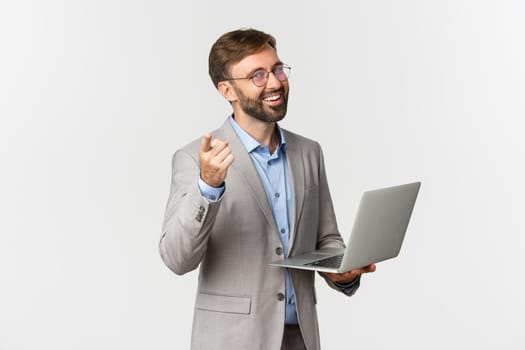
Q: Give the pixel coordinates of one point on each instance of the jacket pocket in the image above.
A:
(223, 303)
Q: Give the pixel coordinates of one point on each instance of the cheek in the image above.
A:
(252, 94)
(258, 94)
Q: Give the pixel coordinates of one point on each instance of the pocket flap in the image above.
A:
(223, 303)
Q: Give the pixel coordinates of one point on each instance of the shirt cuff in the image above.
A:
(349, 288)
(212, 194)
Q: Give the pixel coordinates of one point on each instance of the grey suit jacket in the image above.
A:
(239, 298)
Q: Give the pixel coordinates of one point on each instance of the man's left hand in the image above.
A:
(349, 276)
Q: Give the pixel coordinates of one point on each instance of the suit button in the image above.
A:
(280, 296)
(279, 251)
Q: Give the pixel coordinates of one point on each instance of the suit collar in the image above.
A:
(243, 165)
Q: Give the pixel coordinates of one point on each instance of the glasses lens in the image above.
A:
(281, 72)
(259, 77)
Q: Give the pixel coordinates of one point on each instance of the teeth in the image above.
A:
(272, 98)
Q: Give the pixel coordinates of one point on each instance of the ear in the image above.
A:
(226, 90)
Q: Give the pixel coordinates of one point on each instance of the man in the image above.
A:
(244, 195)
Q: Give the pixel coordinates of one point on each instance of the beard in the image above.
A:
(261, 111)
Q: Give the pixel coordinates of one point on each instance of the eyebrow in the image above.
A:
(278, 63)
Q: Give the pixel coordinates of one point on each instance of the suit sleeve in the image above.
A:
(328, 232)
(188, 219)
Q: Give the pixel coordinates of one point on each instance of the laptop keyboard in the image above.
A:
(333, 261)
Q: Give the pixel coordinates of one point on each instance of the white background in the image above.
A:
(96, 96)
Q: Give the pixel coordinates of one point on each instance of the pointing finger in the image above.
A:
(206, 143)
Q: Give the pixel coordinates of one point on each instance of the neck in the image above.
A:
(263, 132)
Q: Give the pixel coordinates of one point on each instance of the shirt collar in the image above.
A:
(249, 142)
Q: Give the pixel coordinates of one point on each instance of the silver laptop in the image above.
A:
(377, 235)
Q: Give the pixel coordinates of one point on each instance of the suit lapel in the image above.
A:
(296, 171)
(244, 166)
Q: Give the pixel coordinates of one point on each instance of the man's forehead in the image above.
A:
(265, 58)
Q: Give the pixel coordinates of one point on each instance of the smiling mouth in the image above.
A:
(274, 98)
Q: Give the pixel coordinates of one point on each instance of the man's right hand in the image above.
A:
(215, 159)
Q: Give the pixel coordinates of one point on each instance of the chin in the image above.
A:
(276, 115)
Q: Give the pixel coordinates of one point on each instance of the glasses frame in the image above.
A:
(286, 70)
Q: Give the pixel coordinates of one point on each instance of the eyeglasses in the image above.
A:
(260, 76)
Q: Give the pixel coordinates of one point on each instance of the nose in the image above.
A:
(273, 82)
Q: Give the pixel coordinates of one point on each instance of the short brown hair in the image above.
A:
(232, 47)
